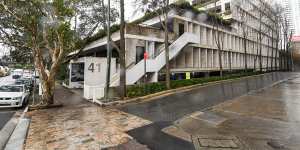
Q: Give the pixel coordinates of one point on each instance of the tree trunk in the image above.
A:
(168, 84)
(48, 92)
(272, 53)
(229, 54)
(245, 53)
(260, 53)
(268, 51)
(256, 56)
(276, 55)
(260, 42)
(220, 62)
(122, 53)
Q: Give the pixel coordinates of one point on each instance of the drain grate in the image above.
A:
(215, 142)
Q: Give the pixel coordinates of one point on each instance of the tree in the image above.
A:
(22, 56)
(263, 29)
(245, 32)
(122, 52)
(161, 8)
(45, 28)
(287, 37)
(218, 37)
(276, 17)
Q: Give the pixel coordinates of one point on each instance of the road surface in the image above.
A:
(6, 113)
(164, 111)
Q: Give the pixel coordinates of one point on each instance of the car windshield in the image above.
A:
(11, 88)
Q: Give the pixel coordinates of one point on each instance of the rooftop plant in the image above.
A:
(180, 5)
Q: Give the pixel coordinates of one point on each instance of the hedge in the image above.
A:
(151, 88)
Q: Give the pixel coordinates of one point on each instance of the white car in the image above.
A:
(17, 73)
(27, 74)
(13, 95)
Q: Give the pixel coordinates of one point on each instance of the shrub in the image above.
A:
(151, 88)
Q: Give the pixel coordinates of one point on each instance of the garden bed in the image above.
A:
(151, 88)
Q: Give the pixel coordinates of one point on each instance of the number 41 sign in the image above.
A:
(92, 67)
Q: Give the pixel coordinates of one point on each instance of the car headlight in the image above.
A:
(17, 98)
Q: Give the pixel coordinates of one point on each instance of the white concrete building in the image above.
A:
(292, 14)
(192, 50)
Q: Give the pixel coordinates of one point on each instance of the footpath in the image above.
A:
(79, 124)
(262, 120)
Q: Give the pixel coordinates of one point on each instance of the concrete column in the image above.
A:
(190, 27)
(154, 77)
(186, 26)
(180, 61)
(197, 29)
(211, 39)
(191, 56)
(229, 42)
(196, 57)
(233, 59)
(225, 46)
(204, 36)
(206, 58)
(223, 8)
(199, 60)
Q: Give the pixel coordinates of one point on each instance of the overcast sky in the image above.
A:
(130, 15)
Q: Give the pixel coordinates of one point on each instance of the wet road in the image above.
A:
(6, 113)
(173, 107)
(164, 111)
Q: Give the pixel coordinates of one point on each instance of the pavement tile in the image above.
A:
(79, 127)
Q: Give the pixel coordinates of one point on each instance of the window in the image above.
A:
(227, 7)
(139, 53)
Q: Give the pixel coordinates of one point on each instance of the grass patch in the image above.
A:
(151, 88)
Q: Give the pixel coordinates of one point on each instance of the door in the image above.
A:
(181, 29)
(139, 54)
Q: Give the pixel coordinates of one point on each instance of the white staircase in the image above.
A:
(134, 73)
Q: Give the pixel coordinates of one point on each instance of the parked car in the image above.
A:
(27, 73)
(7, 70)
(25, 81)
(13, 95)
(17, 73)
(2, 71)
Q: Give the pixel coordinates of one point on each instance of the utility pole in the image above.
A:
(108, 57)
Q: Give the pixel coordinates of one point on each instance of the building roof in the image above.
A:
(296, 38)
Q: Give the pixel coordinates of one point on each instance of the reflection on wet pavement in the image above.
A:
(258, 120)
(173, 107)
(268, 119)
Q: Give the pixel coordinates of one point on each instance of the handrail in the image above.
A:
(155, 64)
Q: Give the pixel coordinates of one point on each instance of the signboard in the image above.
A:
(187, 75)
(95, 76)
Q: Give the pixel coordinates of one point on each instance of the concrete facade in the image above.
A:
(245, 18)
(193, 47)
